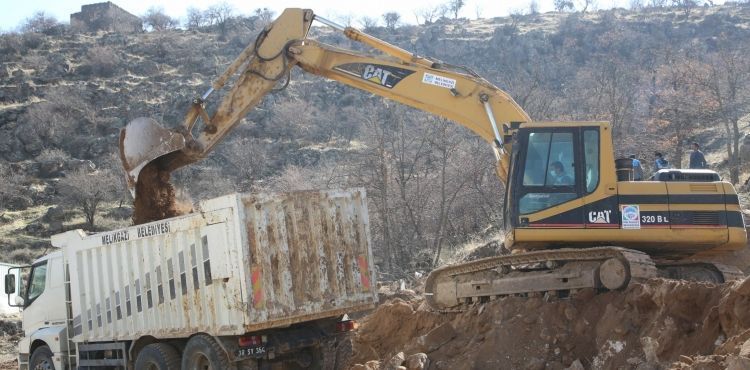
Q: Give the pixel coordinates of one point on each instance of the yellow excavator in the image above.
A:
(573, 217)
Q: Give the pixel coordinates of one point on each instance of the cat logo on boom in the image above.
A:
(381, 74)
(376, 74)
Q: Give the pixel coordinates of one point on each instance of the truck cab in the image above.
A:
(42, 298)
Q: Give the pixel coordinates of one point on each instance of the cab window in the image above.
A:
(591, 158)
(37, 281)
(549, 175)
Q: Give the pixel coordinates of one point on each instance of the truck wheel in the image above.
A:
(203, 353)
(158, 356)
(41, 359)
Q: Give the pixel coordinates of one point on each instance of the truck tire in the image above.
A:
(158, 356)
(41, 359)
(202, 352)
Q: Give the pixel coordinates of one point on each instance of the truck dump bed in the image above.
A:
(244, 263)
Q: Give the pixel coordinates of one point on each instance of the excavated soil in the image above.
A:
(659, 324)
(155, 196)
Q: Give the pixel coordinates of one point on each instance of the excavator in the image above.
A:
(573, 217)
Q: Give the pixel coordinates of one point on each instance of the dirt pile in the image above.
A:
(655, 325)
(155, 197)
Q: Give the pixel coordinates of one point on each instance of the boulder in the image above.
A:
(745, 349)
(56, 213)
(34, 228)
(18, 203)
(417, 361)
(437, 337)
(395, 362)
(576, 365)
(55, 227)
(51, 169)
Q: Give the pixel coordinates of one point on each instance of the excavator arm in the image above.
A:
(452, 92)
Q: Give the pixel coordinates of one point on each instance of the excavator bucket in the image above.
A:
(142, 141)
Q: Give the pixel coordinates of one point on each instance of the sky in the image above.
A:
(14, 11)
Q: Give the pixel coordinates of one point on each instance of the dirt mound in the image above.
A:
(654, 325)
(155, 196)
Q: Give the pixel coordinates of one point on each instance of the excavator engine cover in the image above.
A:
(142, 141)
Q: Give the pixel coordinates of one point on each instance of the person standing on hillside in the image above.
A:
(660, 163)
(697, 159)
(637, 168)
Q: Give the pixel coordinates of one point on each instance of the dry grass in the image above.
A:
(459, 254)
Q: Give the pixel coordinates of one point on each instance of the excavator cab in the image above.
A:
(555, 166)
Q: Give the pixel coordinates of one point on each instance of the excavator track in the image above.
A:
(559, 270)
(707, 271)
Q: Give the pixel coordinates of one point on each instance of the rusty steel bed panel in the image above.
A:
(309, 255)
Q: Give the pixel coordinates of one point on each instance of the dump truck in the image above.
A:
(252, 281)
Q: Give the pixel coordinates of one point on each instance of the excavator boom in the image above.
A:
(398, 75)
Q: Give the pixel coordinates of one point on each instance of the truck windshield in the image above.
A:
(36, 282)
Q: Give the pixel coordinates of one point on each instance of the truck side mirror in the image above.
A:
(10, 283)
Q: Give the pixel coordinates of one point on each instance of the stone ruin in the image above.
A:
(105, 17)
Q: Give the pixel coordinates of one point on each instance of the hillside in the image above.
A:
(64, 98)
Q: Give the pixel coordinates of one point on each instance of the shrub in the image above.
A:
(104, 61)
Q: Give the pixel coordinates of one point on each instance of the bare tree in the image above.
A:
(533, 7)
(87, 191)
(615, 90)
(196, 18)
(478, 11)
(11, 186)
(428, 14)
(587, 5)
(368, 23)
(293, 178)
(347, 19)
(455, 7)
(156, 20)
(391, 19)
(563, 5)
(40, 22)
(724, 77)
(219, 16)
(636, 5)
(681, 103)
(265, 16)
(248, 159)
(686, 6)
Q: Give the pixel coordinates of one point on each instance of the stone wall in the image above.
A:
(105, 17)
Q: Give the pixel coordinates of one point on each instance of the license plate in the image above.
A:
(256, 351)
